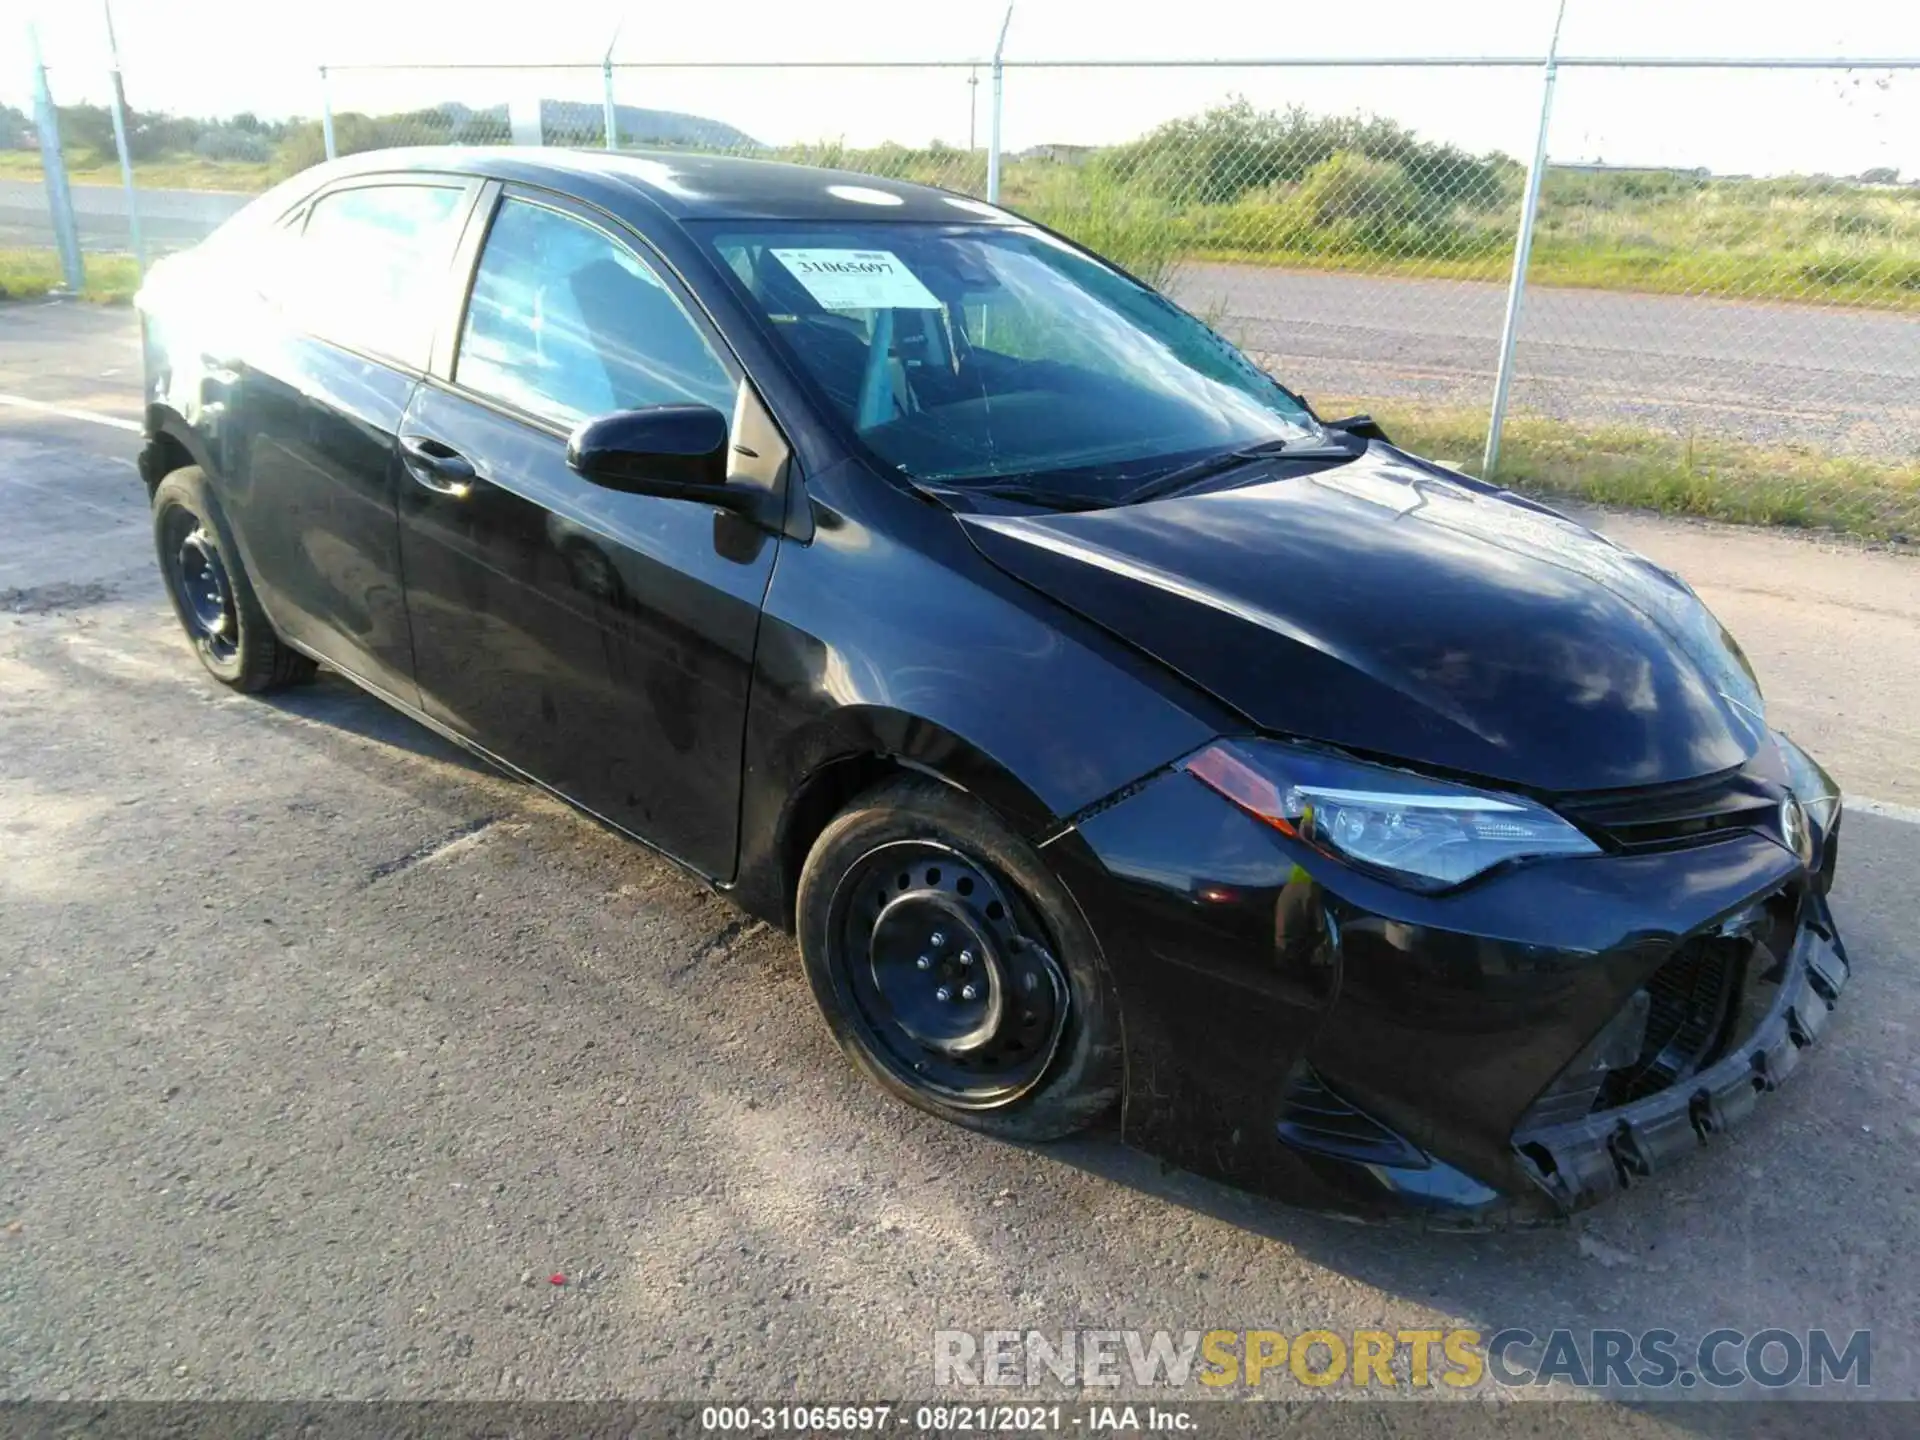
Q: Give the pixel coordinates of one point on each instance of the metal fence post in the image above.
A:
(993, 116)
(120, 144)
(326, 115)
(53, 165)
(1522, 250)
(609, 118)
(609, 121)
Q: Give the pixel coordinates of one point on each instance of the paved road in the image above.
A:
(169, 219)
(1838, 380)
(323, 1049)
(1845, 381)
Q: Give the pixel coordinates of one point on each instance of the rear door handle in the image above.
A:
(438, 467)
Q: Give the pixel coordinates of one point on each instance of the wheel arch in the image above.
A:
(794, 791)
(171, 444)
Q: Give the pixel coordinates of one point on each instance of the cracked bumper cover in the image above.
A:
(1300, 1030)
(1581, 1162)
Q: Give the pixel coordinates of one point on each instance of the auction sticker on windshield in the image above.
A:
(858, 279)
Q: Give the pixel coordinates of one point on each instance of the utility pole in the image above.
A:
(53, 168)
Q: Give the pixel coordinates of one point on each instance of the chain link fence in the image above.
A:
(923, 123)
(1360, 261)
(1747, 345)
(1742, 346)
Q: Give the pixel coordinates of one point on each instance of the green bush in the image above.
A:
(1217, 157)
(226, 142)
(1348, 188)
(1136, 232)
(946, 166)
(305, 142)
(14, 128)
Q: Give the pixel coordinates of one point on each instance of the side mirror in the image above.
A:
(678, 452)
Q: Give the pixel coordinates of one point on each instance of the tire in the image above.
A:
(211, 595)
(1033, 1050)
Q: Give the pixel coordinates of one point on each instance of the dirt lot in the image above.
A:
(322, 1050)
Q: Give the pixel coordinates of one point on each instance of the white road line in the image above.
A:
(67, 412)
(1885, 809)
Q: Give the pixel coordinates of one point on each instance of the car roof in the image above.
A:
(693, 186)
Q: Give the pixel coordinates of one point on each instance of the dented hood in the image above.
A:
(1390, 607)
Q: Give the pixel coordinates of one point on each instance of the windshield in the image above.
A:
(967, 355)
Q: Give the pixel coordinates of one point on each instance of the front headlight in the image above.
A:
(1423, 834)
(1816, 791)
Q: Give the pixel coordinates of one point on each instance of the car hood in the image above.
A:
(1389, 606)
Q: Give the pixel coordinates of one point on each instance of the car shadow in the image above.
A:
(1102, 1153)
(332, 700)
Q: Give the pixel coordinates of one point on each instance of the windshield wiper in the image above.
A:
(1027, 494)
(1179, 478)
(1208, 466)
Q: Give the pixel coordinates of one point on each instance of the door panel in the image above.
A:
(313, 498)
(601, 642)
(316, 404)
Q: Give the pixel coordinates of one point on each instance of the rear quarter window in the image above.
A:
(372, 266)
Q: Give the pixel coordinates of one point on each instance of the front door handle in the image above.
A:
(438, 467)
(220, 370)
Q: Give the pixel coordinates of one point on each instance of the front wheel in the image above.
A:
(954, 968)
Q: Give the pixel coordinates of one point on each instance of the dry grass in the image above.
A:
(187, 172)
(1647, 469)
(26, 274)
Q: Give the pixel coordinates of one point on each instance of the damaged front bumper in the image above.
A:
(1504, 1054)
(1579, 1162)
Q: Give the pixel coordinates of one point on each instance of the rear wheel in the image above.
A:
(211, 594)
(954, 968)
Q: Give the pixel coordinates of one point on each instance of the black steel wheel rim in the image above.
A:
(947, 972)
(200, 579)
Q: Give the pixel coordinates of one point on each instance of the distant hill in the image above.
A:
(578, 122)
(639, 126)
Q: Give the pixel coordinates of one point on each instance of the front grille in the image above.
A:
(1691, 998)
(1685, 813)
(1707, 995)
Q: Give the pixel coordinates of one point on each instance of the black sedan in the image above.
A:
(1112, 730)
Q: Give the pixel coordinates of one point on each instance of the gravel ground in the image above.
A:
(324, 1050)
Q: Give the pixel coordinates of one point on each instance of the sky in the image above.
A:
(220, 56)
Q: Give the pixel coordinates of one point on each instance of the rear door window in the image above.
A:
(375, 262)
(565, 322)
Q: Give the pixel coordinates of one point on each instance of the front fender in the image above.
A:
(170, 443)
(888, 636)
